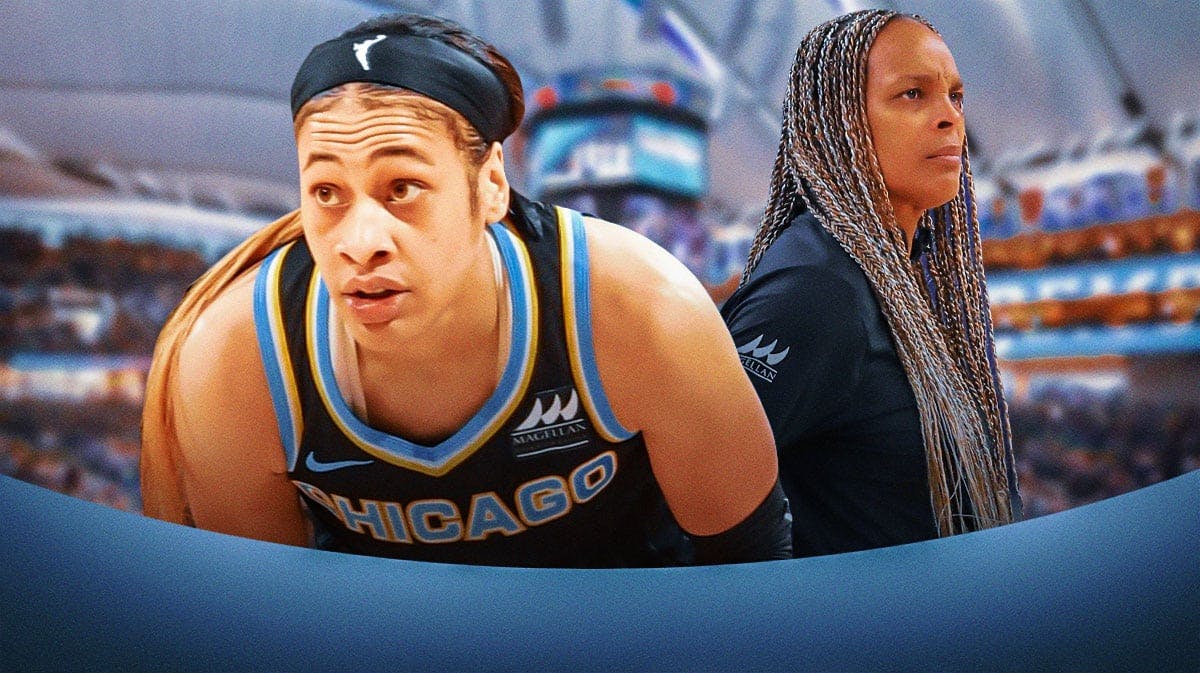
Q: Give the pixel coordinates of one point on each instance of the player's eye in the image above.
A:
(404, 190)
(325, 195)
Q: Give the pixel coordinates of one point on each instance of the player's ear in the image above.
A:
(493, 185)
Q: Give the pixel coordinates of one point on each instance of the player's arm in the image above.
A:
(671, 371)
(231, 459)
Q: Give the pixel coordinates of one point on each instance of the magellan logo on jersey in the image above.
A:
(553, 424)
(761, 360)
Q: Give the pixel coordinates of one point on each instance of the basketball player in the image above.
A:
(385, 372)
(862, 317)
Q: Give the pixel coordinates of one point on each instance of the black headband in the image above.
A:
(421, 64)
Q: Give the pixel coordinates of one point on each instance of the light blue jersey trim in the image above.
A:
(272, 345)
(603, 412)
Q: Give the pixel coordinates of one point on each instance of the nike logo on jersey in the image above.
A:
(553, 424)
(317, 466)
(761, 360)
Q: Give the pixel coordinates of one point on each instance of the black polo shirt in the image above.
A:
(818, 349)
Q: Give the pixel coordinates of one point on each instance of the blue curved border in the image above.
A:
(1110, 586)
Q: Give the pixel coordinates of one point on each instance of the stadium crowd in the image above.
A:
(88, 451)
(87, 296)
(1075, 446)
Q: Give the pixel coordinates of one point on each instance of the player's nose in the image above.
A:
(366, 239)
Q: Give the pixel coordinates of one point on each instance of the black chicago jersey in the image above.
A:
(542, 475)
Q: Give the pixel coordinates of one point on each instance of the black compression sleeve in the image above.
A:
(764, 535)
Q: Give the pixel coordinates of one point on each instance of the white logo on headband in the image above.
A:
(361, 49)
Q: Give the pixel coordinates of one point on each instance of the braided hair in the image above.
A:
(938, 316)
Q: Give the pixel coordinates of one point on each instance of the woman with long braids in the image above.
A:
(862, 315)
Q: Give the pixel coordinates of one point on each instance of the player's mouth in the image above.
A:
(374, 300)
(381, 294)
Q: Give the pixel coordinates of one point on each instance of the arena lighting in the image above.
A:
(664, 93)
(617, 84)
(545, 97)
(1110, 586)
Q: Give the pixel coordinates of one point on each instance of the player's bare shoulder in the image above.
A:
(224, 328)
(220, 382)
(647, 307)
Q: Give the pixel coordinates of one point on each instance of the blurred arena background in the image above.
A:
(140, 141)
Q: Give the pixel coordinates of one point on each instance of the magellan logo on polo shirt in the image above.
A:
(761, 360)
(553, 424)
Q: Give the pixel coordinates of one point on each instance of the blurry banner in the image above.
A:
(174, 226)
(599, 129)
(617, 150)
(1090, 279)
(73, 377)
(1089, 341)
(1109, 586)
